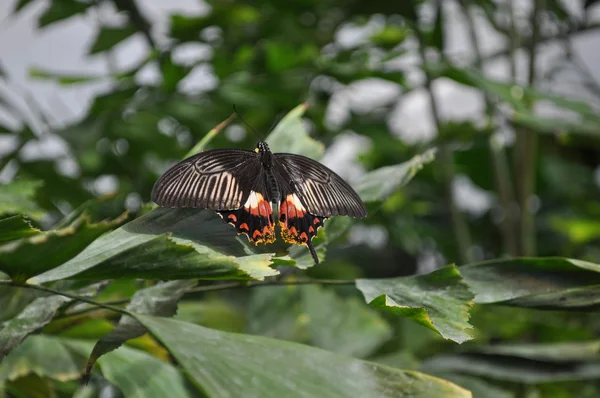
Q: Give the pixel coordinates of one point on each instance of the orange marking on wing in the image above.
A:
(244, 226)
(316, 221)
(293, 231)
(303, 236)
(263, 208)
(256, 233)
(311, 229)
(232, 217)
(267, 230)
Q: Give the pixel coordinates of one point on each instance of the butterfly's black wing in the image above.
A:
(311, 192)
(229, 181)
(218, 179)
(320, 190)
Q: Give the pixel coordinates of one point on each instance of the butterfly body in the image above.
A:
(242, 186)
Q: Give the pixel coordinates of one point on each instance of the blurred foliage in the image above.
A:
(319, 63)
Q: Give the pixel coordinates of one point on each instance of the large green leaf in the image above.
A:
(42, 355)
(18, 197)
(439, 301)
(29, 256)
(136, 373)
(15, 227)
(514, 368)
(36, 315)
(167, 244)
(160, 299)
(379, 184)
(290, 136)
(344, 326)
(229, 365)
(550, 283)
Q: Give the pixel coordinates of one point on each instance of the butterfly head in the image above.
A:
(262, 147)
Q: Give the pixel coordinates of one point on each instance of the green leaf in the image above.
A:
(16, 227)
(20, 5)
(439, 301)
(61, 9)
(554, 352)
(550, 282)
(167, 244)
(108, 37)
(13, 300)
(479, 387)
(213, 313)
(172, 73)
(379, 184)
(228, 363)
(160, 299)
(18, 197)
(344, 326)
(290, 136)
(136, 373)
(43, 355)
(36, 315)
(29, 256)
(512, 369)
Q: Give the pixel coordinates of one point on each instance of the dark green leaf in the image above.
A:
(108, 37)
(36, 315)
(18, 197)
(513, 369)
(535, 282)
(344, 326)
(168, 244)
(21, 4)
(43, 355)
(29, 256)
(61, 9)
(439, 301)
(136, 373)
(479, 387)
(290, 135)
(379, 184)
(227, 363)
(160, 300)
(16, 227)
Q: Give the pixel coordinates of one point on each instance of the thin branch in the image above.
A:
(526, 150)
(499, 162)
(238, 285)
(459, 224)
(64, 294)
(200, 289)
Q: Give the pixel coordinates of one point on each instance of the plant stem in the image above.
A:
(526, 150)
(499, 162)
(237, 285)
(65, 294)
(200, 289)
(459, 224)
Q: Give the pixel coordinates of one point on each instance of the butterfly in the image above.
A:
(240, 185)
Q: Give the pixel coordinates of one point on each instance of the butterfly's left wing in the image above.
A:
(311, 192)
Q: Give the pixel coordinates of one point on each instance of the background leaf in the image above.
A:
(439, 300)
(228, 363)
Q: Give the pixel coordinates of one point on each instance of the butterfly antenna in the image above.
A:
(246, 123)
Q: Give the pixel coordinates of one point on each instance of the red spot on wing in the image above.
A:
(316, 221)
(311, 229)
(303, 237)
(256, 234)
(232, 217)
(244, 226)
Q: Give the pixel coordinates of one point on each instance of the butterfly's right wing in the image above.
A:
(218, 179)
